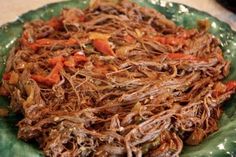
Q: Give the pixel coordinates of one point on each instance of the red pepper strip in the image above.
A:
(170, 40)
(52, 78)
(55, 60)
(25, 41)
(55, 23)
(129, 39)
(46, 42)
(55, 72)
(103, 47)
(181, 56)
(231, 85)
(51, 42)
(75, 59)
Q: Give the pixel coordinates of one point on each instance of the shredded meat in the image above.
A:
(116, 79)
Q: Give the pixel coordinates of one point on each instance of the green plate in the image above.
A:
(220, 144)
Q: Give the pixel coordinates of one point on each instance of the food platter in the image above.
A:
(221, 143)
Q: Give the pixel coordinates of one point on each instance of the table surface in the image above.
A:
(11, 9)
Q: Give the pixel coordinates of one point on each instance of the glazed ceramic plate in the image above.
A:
(220, 144)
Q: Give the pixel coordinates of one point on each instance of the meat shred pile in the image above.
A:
(116, 80)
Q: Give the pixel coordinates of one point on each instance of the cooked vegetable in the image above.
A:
(77, 58)
(116, 79)
(103, 46)
(52, 78)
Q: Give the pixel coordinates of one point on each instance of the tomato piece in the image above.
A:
(103, 47)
